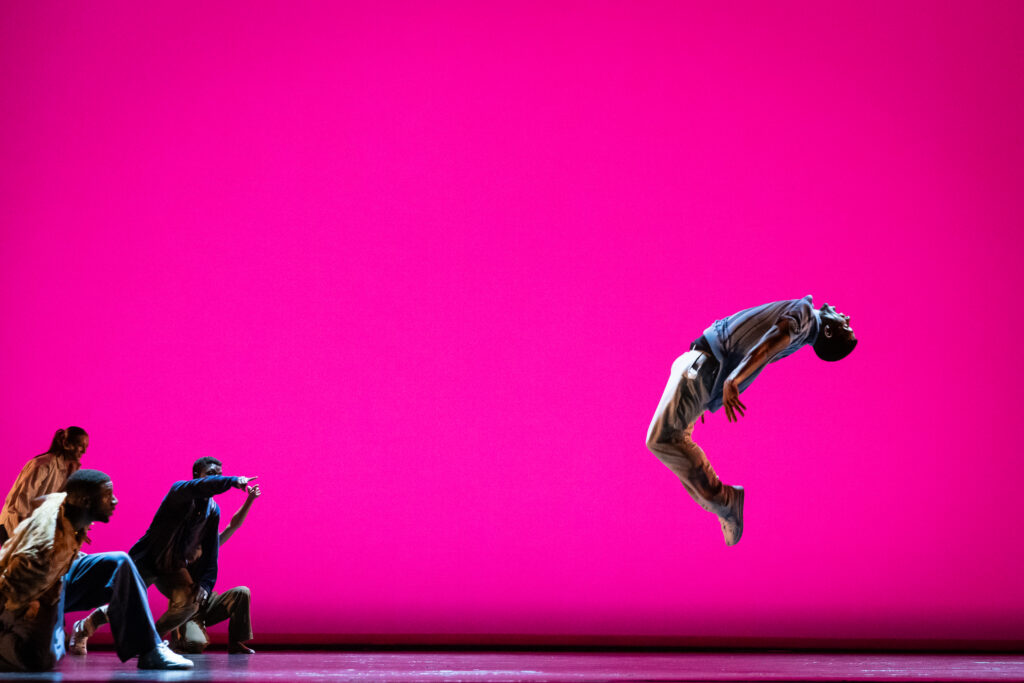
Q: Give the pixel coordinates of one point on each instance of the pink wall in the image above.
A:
(423, 268)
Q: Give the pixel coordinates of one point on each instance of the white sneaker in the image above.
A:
(161, 657)
(732, 518)
(79, 637)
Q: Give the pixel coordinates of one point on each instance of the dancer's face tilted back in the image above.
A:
(836, 323)
(836, 339)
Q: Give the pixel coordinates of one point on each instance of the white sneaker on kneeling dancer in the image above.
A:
(732, 518)
(161, 657)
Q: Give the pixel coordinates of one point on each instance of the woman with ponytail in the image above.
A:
(43, 474)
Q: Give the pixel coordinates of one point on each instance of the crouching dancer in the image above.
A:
(178, 552)
(232, 605)
(41, 576)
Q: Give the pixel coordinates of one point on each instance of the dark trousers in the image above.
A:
(111, 578)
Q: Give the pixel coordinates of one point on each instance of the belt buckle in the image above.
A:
(696, 366)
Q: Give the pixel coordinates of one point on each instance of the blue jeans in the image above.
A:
(110, 578)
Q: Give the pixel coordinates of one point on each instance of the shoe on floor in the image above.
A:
(79, 637)
(161, 657)
(240, 649)
(732, 518)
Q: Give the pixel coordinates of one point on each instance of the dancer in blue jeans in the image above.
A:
(42, 574)
(721, 364)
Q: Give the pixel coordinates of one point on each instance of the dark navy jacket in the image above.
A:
(186, 521)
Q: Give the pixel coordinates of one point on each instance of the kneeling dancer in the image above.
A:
(178, 552)
(42, 575)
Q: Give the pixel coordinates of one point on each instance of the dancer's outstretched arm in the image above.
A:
(206, 487)
(241, 514)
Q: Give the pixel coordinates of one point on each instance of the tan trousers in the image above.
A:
(232, 605)
(182, 598)
(670, 436)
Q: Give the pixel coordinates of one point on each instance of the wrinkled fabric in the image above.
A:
(101, 578)
(186, 522)
(670, 435)
(39, 553)
(232, 605)
(32, 564)
(46, 473)
(182, 595)
(732, 338)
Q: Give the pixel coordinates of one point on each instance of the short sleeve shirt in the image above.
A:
(732, 338)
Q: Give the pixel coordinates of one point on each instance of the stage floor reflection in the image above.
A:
(552, 666)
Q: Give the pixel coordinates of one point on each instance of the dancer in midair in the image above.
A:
(720, 365)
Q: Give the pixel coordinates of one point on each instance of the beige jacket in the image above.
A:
(38, 554)
(43, 474)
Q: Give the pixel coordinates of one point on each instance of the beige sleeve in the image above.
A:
(26, 576)
(26, 489)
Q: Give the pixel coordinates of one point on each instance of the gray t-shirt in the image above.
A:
(732, 338)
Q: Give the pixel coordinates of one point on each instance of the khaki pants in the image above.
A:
(182, 598)
(232, 605)
(670, 436)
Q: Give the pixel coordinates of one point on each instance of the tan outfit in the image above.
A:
(32, 563)
(670, 436)
(231, 605)
(43, 474)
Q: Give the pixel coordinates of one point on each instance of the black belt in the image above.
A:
(708, 370)
(701, 344)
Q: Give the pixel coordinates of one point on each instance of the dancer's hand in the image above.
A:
(253, 491)
(731, 401)
(242, 481)
(203, 595)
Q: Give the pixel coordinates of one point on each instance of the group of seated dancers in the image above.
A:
(44, 573)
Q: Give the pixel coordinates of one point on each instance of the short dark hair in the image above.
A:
(202, 463)
(85, 482)
(834, 348)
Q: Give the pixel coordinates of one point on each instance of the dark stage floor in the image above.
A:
(551, 666)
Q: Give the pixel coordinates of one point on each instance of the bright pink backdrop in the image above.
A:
(423, 268)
